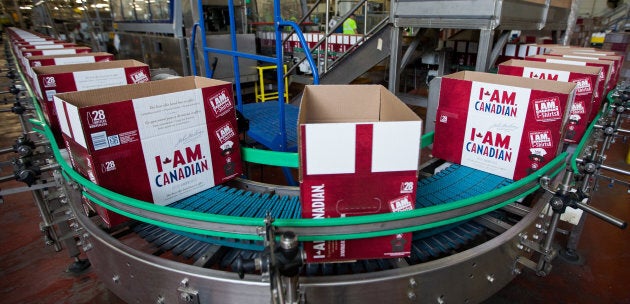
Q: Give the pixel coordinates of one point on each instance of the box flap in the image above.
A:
(553, 66)
(339, 103)
(44, 57)
(58, 69)
(133, 91)
(515, 81)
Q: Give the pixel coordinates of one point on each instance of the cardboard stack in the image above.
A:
(359, 152)
(585, 78)
(505, 125)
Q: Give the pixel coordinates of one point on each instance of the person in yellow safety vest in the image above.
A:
(350, 25)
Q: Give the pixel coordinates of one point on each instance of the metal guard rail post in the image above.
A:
(246, 228)
(235, 54)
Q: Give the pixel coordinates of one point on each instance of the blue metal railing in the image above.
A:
(279, 23)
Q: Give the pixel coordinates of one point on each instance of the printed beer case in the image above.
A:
(55, 79)
(158, 141)
(585, 78)
(505, 125)
(359, 148)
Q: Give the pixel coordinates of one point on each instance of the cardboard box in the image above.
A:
(604, 77)
(585, 78)
(45, 46)
(618, 61)
(505, 125)
(37, 61)
(51, 80)
(62, 51)
(159, 141)
(22, 55)
(359, 148)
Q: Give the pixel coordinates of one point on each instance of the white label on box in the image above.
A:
(175, 144)
(494, 127)
(570, 62)
(546, 74)
(49, 46)
(50, 94)
(178, 164)
(96, 79)
(330, 148)
(75, 124)
(581, 57)
(532, 50)
(59, 52)
(61, 115)
(590, 53)
(522, 51)
(166, 113)
(43, 42)
(74, 60)
(396, 146)
(510, 50)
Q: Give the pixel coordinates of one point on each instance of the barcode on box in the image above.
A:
(99, 140)
(113, 140)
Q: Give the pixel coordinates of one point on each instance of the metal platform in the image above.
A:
(264, 127)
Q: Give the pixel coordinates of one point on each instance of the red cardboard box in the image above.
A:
(505, 125)
(159, 141)
(617, 61)
(37, 61)
(604, 77)
(62, 51)
(44, 46)
(585, 78)
(57, 79)
(359, 149)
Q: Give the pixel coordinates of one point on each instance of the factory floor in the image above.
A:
(32, 272)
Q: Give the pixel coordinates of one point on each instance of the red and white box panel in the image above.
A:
(158, 141)
(55, 79)
(604, 77)
(359, 150)
(505, 125)
(585, 78)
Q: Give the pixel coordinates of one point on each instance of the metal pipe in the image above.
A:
(555, 218)
(623, 130)
(7, 178)
(603, 216)
(6, 150)
(613, 169)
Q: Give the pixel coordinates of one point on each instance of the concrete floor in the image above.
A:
(31, 272)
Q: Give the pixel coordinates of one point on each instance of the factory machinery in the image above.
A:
(473, 232)
(241, 242)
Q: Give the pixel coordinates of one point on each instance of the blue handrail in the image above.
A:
(279, 23)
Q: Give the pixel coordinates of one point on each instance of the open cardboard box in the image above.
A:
(359, 149)
(585, 78)
(159, 141)
(505, 125)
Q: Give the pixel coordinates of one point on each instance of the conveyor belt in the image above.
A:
(453, 183)
(263, 125)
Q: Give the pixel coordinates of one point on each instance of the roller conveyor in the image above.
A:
(378, 280)
(452, 183)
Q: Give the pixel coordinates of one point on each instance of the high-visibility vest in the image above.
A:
(349, 26)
